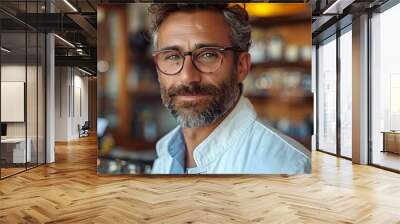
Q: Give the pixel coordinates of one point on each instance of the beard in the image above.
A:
(214, 103)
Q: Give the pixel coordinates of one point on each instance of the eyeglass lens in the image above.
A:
(204, 59)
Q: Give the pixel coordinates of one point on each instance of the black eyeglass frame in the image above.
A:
(184, 54)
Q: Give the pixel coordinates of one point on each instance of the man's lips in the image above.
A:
(191, 96)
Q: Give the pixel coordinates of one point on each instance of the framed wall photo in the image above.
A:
(229, 94)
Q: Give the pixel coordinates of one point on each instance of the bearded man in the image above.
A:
(201, 55)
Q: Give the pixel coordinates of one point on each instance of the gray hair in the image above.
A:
(236, 16)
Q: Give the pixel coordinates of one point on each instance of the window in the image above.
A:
(22, 101)
(327, 96)
(385, 88)
(346, 93)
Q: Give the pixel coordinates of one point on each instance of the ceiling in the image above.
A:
(76, 22)
(72, 20)
(332, 15)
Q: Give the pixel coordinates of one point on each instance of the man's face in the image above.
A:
(196, 98)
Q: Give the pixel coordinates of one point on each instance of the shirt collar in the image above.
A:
(220, 140)
(171, 144)
(226, 134)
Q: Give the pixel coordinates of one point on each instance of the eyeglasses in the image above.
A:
(204, 59)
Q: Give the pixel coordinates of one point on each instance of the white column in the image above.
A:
(360, 90)
(50, 92)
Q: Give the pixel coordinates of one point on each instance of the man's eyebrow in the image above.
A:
(197, 46)
(174, 47)
(208, 45)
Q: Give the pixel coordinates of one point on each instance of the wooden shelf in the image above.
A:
(304, 65)
(132, 143)
(148, 96)
(267, 22)
(289, 100)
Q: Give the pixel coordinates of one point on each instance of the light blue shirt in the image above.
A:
(241, 144)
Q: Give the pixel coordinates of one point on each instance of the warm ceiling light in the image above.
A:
(65, 41)
(5, 49)
(275, 9)
(70, 5)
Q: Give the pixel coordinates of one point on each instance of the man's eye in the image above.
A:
(172, 57)
(208, 55)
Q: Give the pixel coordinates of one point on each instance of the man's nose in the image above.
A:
(189, 72)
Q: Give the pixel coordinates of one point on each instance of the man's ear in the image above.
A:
(243, 66)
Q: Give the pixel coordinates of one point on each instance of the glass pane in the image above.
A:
(327, 96)
(41, 99)
(22, 80)
(31, 97)
(31, 86)
(14, 152)
(346, 94)
(385, 86)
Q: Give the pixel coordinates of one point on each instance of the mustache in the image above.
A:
(193, 89)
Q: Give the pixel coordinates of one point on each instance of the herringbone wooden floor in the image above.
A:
(69, 191)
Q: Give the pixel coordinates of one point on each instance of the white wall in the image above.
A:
(61, 103)
(12, 73)
(71, 93)
(33, 126)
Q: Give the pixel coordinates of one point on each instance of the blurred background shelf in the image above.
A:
(279, 20)
(304, 65)
(291, 99)
(149, 96)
